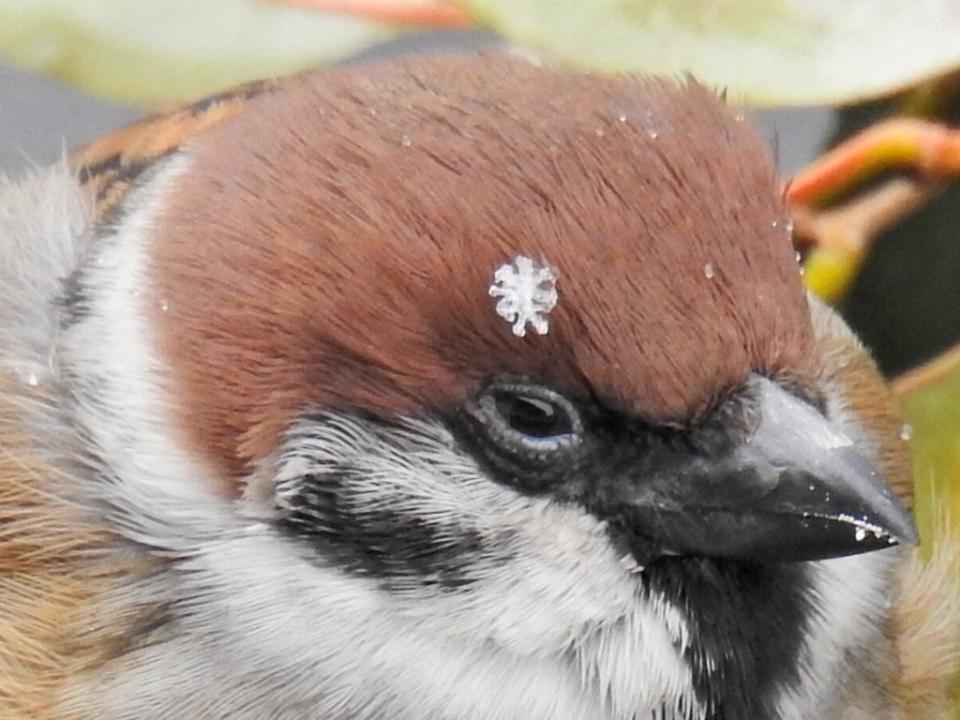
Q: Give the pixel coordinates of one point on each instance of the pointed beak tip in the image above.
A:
(897, 528)
(909, 535)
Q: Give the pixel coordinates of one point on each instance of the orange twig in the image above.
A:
(422, 13)
(929, 373)
(853, 226)
(840, 238)
(927, 147)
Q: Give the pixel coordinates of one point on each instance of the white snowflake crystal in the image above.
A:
(527, 291)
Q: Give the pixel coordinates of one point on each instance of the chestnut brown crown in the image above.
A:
(333, 245)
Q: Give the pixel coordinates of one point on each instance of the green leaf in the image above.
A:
(151, 51)
(765, 52)
(930, 399)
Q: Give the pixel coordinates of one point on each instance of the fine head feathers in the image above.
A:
(333, 245)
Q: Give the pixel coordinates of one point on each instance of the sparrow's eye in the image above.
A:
(527, 419)
(532, 416)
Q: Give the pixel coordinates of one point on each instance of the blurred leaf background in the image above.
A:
(158, 51)
(870, 60)
(764, 52)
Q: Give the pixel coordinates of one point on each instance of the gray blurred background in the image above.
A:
(39, 117)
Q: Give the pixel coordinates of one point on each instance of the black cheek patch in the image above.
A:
(749, 618)
(398, 547)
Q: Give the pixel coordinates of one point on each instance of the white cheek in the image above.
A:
(550, 587)
(547, 574)
(560, 580)
(261, 632)
(339, 643)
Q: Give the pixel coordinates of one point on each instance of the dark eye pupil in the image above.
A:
(533, 417)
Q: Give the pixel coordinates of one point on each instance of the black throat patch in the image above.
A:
(747, 622)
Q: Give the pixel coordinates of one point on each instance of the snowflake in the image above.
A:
(527, 292)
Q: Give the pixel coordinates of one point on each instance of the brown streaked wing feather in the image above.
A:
(57, 567)
(110, 165)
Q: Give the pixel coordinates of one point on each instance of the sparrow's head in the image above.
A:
(465, 388)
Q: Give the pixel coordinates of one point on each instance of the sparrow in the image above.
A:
(450, 387)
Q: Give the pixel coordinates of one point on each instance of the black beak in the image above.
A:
(796, 489)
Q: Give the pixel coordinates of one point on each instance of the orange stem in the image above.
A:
(927, 147)
(928, 374)
(852, 227)
(422, 13)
